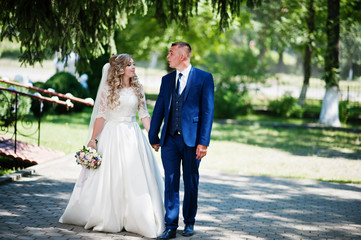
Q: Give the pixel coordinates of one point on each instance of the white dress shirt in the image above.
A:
(184, 78)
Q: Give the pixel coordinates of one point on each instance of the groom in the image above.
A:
(185, 103)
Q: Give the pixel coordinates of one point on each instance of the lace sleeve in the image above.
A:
(103, 106)
(143, 111)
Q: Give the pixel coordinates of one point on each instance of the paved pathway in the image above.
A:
(231, 206)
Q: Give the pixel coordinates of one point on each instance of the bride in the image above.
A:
(126, 191)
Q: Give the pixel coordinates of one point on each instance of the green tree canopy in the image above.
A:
(43, 27)
(86, 27)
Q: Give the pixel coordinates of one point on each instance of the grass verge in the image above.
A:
(251, 148)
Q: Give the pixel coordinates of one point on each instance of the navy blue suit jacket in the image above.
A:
(197, 113)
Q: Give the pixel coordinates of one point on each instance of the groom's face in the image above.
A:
(174, 57)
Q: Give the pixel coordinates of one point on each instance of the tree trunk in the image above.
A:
(308, 52)
(299, 61)
(263, 47)
(306, 73)
(350, 71)
(262, 53)
(329, 112)
(280, 65)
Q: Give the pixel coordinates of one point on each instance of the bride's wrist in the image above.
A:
(93, 140)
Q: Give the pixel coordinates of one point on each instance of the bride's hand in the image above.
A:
(92, 144)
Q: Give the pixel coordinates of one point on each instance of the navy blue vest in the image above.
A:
(175, 115)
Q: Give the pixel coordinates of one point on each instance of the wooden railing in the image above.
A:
(41, 98)
(44, 91)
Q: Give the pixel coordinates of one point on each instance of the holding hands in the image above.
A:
(200, 152)
(156, 147)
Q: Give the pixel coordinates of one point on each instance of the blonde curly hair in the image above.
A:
(115, 80)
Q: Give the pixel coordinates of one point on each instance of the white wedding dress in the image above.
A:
(126, 191)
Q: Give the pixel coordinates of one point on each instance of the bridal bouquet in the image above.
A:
(88, 157)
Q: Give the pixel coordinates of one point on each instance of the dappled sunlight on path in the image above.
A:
(231, 206)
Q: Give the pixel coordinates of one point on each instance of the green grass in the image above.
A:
(66, 133)
(297, 141)
(7, 171)
(251, 159)
(251, 148)
(286, 152)
(253, 117)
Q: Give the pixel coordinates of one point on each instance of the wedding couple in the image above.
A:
(127, 191)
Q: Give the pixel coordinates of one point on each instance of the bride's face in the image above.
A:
(129, 70)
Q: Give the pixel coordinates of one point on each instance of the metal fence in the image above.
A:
(10, 119)
(348, 91)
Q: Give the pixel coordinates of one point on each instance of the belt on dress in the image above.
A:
(124, 119)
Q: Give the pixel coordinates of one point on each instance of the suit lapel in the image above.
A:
(171, 87)
(189, 83)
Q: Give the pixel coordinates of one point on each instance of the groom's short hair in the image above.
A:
(184, 45)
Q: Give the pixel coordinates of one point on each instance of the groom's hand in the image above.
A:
(156, 147)
(201, 151)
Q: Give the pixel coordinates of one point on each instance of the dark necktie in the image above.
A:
(178, 83)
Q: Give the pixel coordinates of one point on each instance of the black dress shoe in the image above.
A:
(188, 230)
(168, 234)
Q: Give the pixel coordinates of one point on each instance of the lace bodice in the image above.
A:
(128, 106)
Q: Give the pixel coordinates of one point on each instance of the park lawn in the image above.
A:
(251, 148)
(320, 154)
(66, 132)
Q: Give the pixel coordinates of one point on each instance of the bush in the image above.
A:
(9, 49)
(344, 110)
(354, 113)
(64, 82)
(286, 107)
(229, 101)
(35, 104)
(11, 54)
